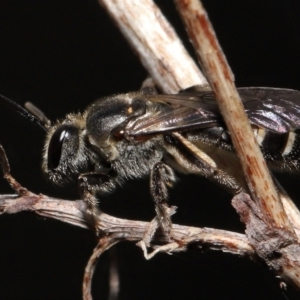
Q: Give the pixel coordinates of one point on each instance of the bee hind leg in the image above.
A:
(162, 177)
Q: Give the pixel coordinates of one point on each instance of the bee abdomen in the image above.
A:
(280, 149)
(278, 142)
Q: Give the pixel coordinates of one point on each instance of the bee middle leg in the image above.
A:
(193, 160)
(92, 183)
(162, 177)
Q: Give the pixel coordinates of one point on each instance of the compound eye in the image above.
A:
(62, 133)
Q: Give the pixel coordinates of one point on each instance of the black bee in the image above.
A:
(141, 134)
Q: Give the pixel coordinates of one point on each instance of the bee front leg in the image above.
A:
(162, 177)
(92, 183)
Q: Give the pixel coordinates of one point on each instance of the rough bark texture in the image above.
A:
(277, 247)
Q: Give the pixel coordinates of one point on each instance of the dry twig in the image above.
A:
(156, 43)
(113, 230)
(268, 227)
(221, 81)
(104, 244)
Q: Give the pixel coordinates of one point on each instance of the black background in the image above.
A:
(61, 55)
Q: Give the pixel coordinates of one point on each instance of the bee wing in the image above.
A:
(181, 113)
(277, 110)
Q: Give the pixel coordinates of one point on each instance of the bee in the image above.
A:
(145, 134)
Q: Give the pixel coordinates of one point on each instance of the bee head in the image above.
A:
(64, 152)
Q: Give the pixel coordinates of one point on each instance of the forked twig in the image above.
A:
(113, 230)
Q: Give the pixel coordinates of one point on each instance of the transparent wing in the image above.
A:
(277, 110)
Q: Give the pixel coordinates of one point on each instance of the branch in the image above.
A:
(154, 40)
(74, 212)
(103, 244)
(113, 230)
(268, 227)
(221, 81)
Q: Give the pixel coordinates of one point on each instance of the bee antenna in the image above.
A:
(38, 113)
(43, 122)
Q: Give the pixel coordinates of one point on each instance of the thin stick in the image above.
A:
(156, 43)
(104, 244)
(267, 225)
(221, 81)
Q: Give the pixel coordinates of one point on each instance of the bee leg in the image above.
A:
(196, 88)
(148, 87)
(162, 177)
(92, 183)
(194, 161)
